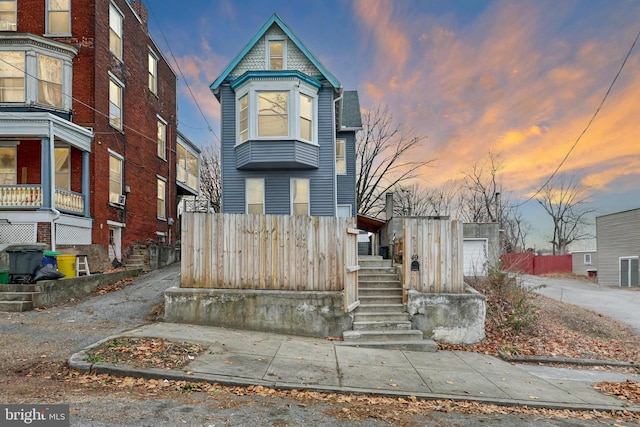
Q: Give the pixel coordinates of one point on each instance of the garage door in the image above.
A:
(475, 257)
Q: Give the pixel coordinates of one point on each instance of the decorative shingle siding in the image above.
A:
(618, 235)
(255, 60)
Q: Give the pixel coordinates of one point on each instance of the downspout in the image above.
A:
(335, 136)
(52, 180)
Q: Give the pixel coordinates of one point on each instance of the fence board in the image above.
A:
(277, 252)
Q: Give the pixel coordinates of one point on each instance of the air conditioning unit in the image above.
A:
(7, 26)
(122, 199)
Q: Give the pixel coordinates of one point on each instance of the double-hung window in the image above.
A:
(115, 177)
(115, 103)
(49, 81)
(153, 73)
(8, 165)
(243, 117)
(255, 195)
(276, 51)
(162, 139)
(8, 15)
(12, 77)
(273, 114)
(63, 160)
(341, 161)
(59, 17)
(300, 196)
(162, 197)
(115, 31)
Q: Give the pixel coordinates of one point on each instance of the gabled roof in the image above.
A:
(275, 19)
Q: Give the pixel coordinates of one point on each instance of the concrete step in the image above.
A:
(17, 296)
(383, 325)
(382, 336)
(368, 284)
(380, 317)
(379, 291)
(20, 288)
(380, 308)
(379, 300)
(136, 258)
(374, 271)
(428, 346)
(16, 306)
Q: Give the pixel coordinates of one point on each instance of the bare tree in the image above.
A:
(416, 200)
(483, 199)
(383, 159)
(565, 200)
(210, 176)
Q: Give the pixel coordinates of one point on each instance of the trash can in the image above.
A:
(49, 258)
(383, 251)
(67, 265)
(24, 261)
(4, 277)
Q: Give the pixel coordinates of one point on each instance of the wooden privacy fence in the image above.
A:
(277, 252)
(436, 246)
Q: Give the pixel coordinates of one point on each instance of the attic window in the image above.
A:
(276, 54)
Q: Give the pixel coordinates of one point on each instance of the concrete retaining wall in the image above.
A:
(316, 314)
(449, 318)
(57, 291)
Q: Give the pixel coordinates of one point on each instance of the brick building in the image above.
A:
(88, 137)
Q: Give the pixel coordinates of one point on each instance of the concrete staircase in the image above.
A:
(381, 320)
(139, 259)
(17, 298)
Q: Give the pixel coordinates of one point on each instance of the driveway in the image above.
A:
(621, 304)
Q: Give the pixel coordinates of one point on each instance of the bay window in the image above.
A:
(8, 15)
(283, 110)
(49, 81)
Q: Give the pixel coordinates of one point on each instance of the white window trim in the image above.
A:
(344, 150)
(118, 156)
(47, 10)
(345, 206)
(629, 258)
(246, 194)
(117, 9)
(291, 185)
(166, 128)
(121, 85)
(154, 90)
(274, 38)
(295, 87)
(163, 179)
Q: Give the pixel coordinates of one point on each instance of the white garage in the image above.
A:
(475, 257)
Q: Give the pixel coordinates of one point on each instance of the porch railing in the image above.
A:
(20, 196)
(30, 196)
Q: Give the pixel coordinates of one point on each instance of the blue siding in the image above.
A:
(262, 155)
(277, 181)
(347, 183)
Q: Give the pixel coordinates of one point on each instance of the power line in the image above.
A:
(606, 95)
(209, 128)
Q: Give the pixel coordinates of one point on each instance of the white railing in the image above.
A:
(30, 196)
(69, 201)
(20, 196)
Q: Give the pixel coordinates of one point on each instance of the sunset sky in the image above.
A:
(521, 79)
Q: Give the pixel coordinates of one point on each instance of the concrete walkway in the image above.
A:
(611, 301)
(237, 357)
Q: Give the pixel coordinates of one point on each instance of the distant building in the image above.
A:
(584, 263)
(618, 241)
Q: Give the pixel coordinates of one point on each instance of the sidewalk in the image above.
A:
(235, 357)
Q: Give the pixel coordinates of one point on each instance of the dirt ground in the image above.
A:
(34, 348)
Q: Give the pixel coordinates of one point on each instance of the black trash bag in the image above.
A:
(47, 272)
(116, 264)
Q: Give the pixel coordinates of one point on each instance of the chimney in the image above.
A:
(389, 205)
(141, 11)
